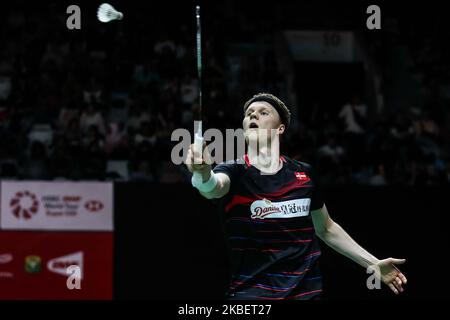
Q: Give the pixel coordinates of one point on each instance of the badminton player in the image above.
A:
(273, 214)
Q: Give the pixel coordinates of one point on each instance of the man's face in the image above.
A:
(260, 117)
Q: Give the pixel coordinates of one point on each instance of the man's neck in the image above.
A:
(265, 159)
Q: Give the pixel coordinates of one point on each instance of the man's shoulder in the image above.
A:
(233, 163)
(303, 166)
(232, 168)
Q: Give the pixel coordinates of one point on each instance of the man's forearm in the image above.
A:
(339, 240)
(219, 190)
(205, 177)
(205, 174)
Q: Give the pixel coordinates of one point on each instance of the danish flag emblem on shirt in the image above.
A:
(302, 177)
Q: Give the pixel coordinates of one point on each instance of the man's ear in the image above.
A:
(281, 129)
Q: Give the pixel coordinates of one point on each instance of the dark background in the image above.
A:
(173, 250)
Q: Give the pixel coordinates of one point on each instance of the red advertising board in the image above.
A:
(56, 265)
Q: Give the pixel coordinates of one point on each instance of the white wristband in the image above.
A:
(206, 187)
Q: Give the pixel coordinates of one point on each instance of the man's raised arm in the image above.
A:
(210, 185)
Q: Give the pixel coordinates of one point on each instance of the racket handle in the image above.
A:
(198, 144)
(198, 148)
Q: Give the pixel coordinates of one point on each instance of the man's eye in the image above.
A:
(264, 113)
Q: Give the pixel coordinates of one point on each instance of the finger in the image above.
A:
(198, 159)
(189, 157)
(402, 277)
(208, 160)
(207, 157)
(393, 288)
(397, 286)
(398, 261)
(191, 150)
(398, 280)
(195, 149)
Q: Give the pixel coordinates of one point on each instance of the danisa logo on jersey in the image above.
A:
(265, 209)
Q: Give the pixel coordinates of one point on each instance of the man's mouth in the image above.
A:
(253, 125)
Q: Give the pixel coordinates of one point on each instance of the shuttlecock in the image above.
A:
(106, 13)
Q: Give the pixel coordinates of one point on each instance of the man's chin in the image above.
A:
(251, 134)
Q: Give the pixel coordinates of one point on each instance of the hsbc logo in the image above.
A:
(93, 205)
(59, 265)
(24, 205)
(51, 205)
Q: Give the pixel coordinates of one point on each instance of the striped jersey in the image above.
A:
(269, 232)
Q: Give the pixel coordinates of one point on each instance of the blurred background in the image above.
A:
(371, 111)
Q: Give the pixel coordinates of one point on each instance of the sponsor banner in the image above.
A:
(322, 46)
(266, 209)
(61, 206)
(39, 265)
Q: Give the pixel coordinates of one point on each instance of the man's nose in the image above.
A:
(253, 115)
